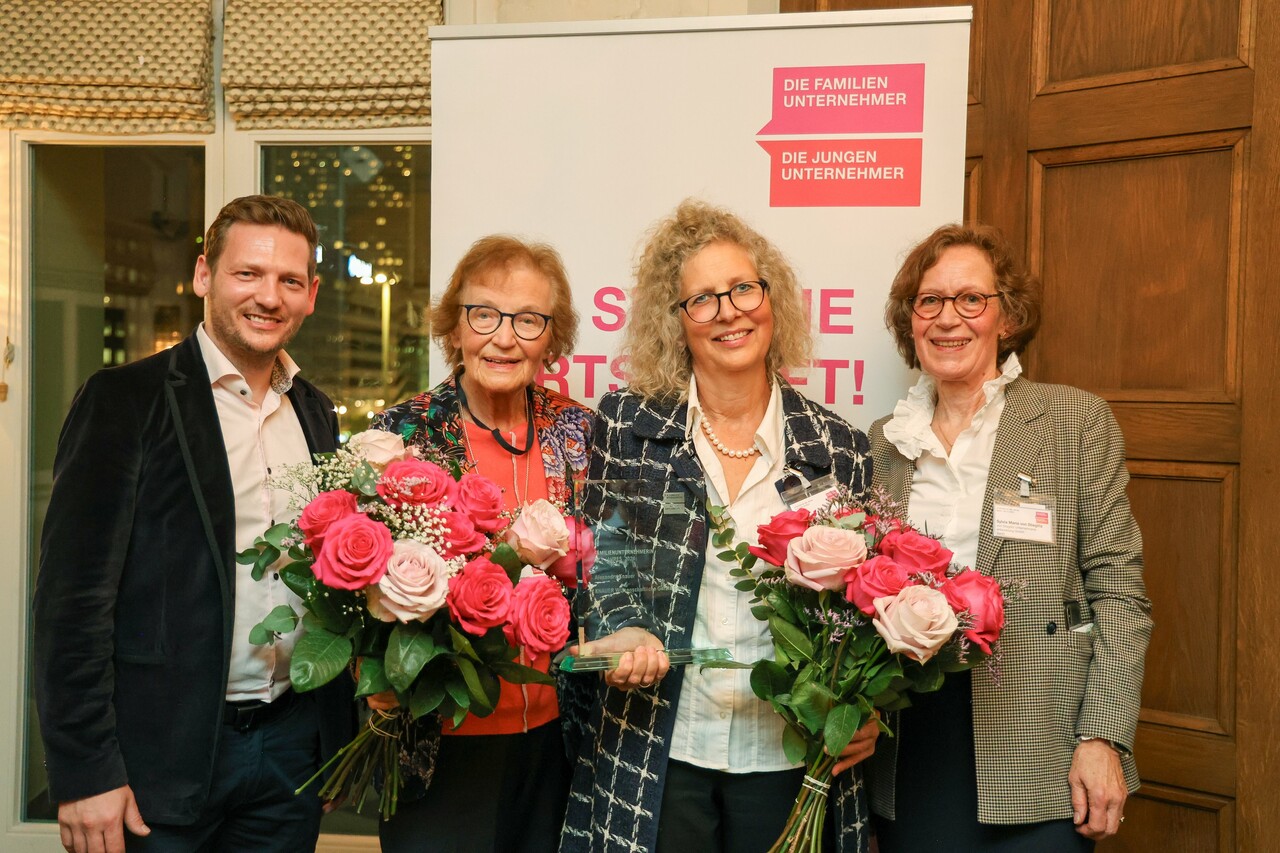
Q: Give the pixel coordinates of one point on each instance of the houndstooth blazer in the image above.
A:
(1055, 683)
(616, 795)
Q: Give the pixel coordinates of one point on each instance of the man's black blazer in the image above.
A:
(134, 599)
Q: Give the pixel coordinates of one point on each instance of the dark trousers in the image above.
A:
(937, 793)
(251, 806)
(711, 811)
(489, 794)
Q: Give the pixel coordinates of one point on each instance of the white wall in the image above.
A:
(527, 11)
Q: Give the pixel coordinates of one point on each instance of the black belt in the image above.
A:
(245, 716)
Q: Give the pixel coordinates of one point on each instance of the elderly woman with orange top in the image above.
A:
(1025, 482)
(496, 783)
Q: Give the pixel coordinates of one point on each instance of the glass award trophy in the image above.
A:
(626, 577)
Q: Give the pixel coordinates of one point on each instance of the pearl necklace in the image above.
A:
(719, 445)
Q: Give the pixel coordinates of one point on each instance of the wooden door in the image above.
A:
(1132, 149)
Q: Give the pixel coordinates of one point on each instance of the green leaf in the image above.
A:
(373, 677)
(427, 697)
(281, 619)
(493, 647)
(794, 744)
(462, 645)
(722, 538)
(761, 612)
(883, 680)
(260, 636)
(506, 557)
(248, 556)
(926, 678)
(365, 479)
(769, 678)
(482, 686)
(277, 533)
(266, 557)
(304, 586)
(778, 600)
(748, 561)
(812, 702)
(745, 586)
(742, 551)
(792, 639)
(517, 673)
(727, 556)
(318, 657)
(843, 723)
(409, 648)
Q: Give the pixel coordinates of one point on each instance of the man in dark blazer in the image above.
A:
(157, 714)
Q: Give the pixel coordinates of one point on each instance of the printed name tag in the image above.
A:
(1026, 517)
(673, 503)
(815, 496)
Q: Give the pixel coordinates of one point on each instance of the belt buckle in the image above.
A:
(245, 717)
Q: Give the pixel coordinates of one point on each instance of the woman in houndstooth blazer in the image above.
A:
(694, 761)
(1038, 758)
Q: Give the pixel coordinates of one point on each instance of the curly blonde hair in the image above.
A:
(659, 360)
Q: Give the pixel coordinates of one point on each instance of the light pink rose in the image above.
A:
(918, 554)
(324, 509)
(378, 447)
(481, 499)
(480, 596)
(460, 537)
(876, 578)
(539, 535)
(414, 587)
(778, 533)
(916, 622)
(412, 481)
(980, 595)
(539, 615)
(819, 558)
(354, 554)
(581, 542)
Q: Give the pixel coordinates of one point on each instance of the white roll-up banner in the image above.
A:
(838, 136)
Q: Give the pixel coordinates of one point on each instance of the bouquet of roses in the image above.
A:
(862, 609)
(413, 576)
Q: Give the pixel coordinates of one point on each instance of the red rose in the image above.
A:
(412, 481)
(461, 536)
(581, 541)
(876, 578)
(355, 553)
(480, 596)
(980, 596)
(324, 509)
(539, 615)
(918, 554)
(481, 499)
(778, 533)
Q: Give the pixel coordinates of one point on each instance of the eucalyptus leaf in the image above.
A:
(722, 538)
(745, 585)
(749, 561)
(409, 649)
(281, 619)
(266, 557)
(260, 636)
(276, 535)
(248, 556)
(318, 658)
(727, 557)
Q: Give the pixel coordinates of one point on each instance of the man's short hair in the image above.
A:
(261, 210)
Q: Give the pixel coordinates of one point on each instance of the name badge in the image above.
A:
(673, 503)
(815, 496)
(1023, 515)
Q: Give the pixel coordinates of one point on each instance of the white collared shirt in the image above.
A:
(260, 439)
(720, 723)
(948, 489)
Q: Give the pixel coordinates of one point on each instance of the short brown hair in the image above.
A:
(502, 251)
(261, 210)
(1020, 292)
(659, 359)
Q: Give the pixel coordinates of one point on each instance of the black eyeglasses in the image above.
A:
(969, 304)
(485, 320)
(705, 307)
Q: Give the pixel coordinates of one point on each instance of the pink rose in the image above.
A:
(354, 554)
(481, 499)
(412, 481)
(889, 537)
(480, 596)
(918, 554)
(460, 536)
(778, 533)
(916, 622)
(819, 557)
(876, 578)
(581, 542)
(378, 447)
(980, 596)
(539, 615)
(414, 586)
(324, 509)
(540, 535)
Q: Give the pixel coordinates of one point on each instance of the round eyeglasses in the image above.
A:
(705, 307)
(969, 304)
(485, 320)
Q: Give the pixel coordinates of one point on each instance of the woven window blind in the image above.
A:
(107, 66)
(328, 63)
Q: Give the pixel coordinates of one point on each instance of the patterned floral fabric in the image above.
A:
(564, 436)
(621, 769)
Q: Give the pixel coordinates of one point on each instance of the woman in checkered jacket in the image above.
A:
(1025, 482)
(683, 759)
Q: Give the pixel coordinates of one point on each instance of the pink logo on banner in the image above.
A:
(844, 172)
(848, 99)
